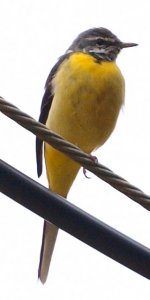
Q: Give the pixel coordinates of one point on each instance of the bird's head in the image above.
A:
(99, 42)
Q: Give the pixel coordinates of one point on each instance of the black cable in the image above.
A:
(73, 220)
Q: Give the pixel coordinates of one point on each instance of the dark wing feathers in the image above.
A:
(45, 107)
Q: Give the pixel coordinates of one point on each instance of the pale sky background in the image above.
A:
(33, 35)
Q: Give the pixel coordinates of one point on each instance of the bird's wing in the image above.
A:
(45, 107)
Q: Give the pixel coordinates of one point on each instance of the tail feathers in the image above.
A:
(48, 242)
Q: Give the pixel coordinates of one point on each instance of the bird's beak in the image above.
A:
(127, 45)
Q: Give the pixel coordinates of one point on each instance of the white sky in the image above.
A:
(33, 35)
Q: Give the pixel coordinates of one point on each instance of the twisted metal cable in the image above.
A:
(75, 153)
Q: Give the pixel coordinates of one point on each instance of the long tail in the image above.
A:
(50, 232)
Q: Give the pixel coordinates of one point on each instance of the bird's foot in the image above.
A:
(94, 159)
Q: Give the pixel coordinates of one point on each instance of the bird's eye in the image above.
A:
(105, 41)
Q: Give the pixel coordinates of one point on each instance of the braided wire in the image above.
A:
(74, 153)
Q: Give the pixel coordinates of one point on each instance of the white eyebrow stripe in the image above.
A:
(94, 38)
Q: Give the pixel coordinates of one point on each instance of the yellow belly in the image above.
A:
(87, 101)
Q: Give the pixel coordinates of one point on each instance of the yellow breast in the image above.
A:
(87, 99)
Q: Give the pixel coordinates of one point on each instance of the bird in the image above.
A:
(84, 93)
